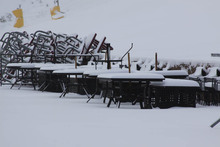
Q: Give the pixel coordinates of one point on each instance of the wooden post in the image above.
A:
(75, 62)
(129, 63)
(108, 56)
(156, 61)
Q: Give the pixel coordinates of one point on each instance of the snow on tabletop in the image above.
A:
(103, 71)
(131, 76)
(57, 67)
(39, 65)
(69, 71)
(27, 65)
(24, 65)
(171, 72)
(176, 83)
(13, 65)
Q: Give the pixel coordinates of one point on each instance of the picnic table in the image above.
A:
(66, 82)
(174, 92)
(92, 81)
(174, 74)
(25, 72)
(129, 87)
(49, 78)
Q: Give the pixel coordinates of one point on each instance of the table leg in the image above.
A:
(147, 99)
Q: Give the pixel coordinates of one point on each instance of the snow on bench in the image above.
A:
(200, 72)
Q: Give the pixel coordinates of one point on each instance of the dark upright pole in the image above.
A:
(108, 56)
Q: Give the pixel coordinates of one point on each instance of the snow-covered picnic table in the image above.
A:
(25, 72)
(64, 76)
(131, 87)
(176, 83)
(92, 81)
(50, 77)
(174, 92)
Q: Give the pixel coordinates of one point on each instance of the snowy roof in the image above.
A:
(131, 76)
(175, 83)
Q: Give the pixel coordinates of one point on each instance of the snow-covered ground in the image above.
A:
(41, 119)
(176, 29)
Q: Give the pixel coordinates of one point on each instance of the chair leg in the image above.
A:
(141, 105)
(109, 103)
(119, 104)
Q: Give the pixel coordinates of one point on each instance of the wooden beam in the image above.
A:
(129, 63)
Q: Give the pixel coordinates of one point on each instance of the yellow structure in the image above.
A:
(19, 16)
(55, 13)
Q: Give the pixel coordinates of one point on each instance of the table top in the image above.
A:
(175, 83)
(69, 71)
(131, 76)
(95, 73)
(170, 72)
(21, 65)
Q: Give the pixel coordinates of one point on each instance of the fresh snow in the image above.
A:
(69, 71)
(213, 72)
(176, 83)
(104, 71)
(41, 119)
(131, 76)
(180, 31)
(171, 72)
